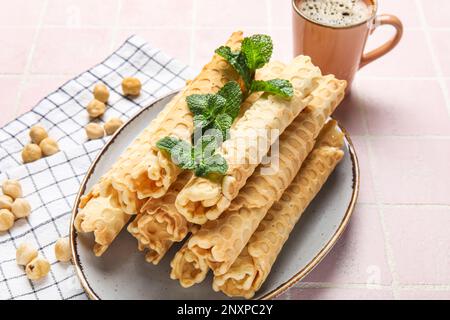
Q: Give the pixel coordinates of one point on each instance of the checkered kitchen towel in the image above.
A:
(51, 183)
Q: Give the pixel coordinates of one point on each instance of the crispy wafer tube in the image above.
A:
(155, 172)
(250, 139)
(96, 214)
(253, 265)
(326, 97)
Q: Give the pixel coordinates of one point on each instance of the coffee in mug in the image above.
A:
(334, 34)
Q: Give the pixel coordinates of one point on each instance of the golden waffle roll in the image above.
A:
(96, 214)
(250, 139)
(214, 243)
(253, 265)
(155, 172)
(159, 224)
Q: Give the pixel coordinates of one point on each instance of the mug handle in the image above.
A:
(384, 19)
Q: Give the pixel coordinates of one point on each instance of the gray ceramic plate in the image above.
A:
(122, 273)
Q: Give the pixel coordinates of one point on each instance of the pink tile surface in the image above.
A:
(436, 13)
(423, 294)
(412, 52)
(410, 170)
(9, 87)
(56, 48)
(366, 189)
(15, 47)
(441, 45)
(77, 13)
(420, 242)
(338, 294)
(156, 13)
(21, 12)
(387, 101)
(397, 115)
(232, 14)
(359, 257)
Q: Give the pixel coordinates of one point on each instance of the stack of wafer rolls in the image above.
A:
(250, 139)
(160, 224)
(218, 243)
(253, 265)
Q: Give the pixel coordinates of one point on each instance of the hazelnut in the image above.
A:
(94, 131)
(62, 249)
(12, 188)
(31, 152)
(101, 92)
(49, 146)
(25, 253)
(6, 220)
(37, 134)
(37, 268)
(112, 125)
(21, 208)
(131, 86)
(96, 108)
(5, 202)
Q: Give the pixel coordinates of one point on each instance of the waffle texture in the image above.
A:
(159, 224)
(96, 214)
(253, 265)
(250, 139)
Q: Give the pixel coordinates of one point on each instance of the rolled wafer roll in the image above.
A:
(215, 245)
(250, 139)
(159, 223)
(96, 214)
(253, 265)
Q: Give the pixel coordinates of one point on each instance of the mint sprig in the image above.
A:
(215, 111)
(201, 158)
(255, 52)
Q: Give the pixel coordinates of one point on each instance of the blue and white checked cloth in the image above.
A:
(50, 184)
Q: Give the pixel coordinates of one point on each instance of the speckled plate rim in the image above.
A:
(272, 294)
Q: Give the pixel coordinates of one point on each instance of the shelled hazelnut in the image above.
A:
(112, 125)
(62, 249)
(21, 208)
(94, 131)
(101, 92)
(96, 108)
(31, 152)
(131, 86)
(37, 268)
(37, 134)
(6, 220)
(5, 202)
(12, 188)
(25, 253)
(49, 146)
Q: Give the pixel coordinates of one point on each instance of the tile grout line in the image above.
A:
(387, 247)
(434, 58)
(27, 70)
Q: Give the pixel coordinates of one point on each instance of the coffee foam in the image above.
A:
(340, 13)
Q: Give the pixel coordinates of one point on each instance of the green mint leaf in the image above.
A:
(198, 103)
(223, 123)
(279, 87)
(237, 61)
(215, 165)
(216, 105)
(232, 93)
(257, 50)
(201, 121)
(205, 147)
(179, 150)
(167, 143)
